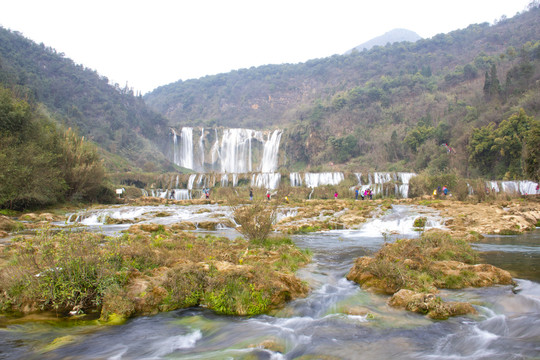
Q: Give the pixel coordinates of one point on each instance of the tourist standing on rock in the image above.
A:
(356, 194)
(267, 194)
(250, 194)
(335, 195)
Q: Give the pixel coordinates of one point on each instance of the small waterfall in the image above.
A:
(327, 178)
(191, 181)
(269, 161)
(186, 148)
(182, 194)
(175, 147)
(296, 179)
(224, 180)
(201, 151)
(266, 180)
(214, 152)
(522, 187)
(403, 189)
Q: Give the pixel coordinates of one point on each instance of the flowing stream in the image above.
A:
(319, 326)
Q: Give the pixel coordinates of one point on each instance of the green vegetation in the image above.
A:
(142, 273)
(509, 150)
(412, 264)
(42, 165)
(420, 222)
(78, 98)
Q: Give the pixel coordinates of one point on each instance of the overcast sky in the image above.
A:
(147, 44)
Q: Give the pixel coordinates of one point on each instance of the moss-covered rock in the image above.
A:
(429, 304)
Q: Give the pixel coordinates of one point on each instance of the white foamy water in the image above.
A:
(398, 221)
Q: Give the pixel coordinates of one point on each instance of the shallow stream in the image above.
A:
(319, 326)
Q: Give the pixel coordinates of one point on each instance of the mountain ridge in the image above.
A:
(393, 36)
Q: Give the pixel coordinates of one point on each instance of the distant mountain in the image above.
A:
(393, 36)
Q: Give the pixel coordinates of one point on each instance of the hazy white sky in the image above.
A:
(151, 43)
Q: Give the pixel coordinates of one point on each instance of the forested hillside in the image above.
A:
(79, 98)
(405, 106)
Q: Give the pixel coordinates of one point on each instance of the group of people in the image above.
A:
(366, 194)
(441, 191)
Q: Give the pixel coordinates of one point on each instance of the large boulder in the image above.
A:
(7, 224)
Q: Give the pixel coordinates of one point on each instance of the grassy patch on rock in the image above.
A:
(423, 265)
(147, 270)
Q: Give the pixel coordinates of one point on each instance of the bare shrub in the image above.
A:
(255, 219)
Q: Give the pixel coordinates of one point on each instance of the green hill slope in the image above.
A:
(79, 98)
(389, 108)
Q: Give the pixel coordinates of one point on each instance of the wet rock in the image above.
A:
(145, 228)
(479, 275)
(489, 218)
(429, 304)
(7, 224)
(184, 225)
(207, 225)
(270, 344)
(227, 223)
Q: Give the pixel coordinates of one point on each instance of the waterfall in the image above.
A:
(327, 178)
(522, 187)
(175, 148)
(201, 151)
(235, 150)
(224, 180)
(266, 180)
(269, 161)
(186, 148)
(214, 152)
(191, 181)
(403, 189)
(232, 151)
(296, 179)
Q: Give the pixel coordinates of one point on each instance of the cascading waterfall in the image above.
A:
(175, 147)
(269, 161)
(313, 180)
(231, 152)
(523, 187)
(201, 151)
(191, 181)
(266, 180)
(377, 180)
(235, 150)
(296, 179)
(215, 152)
(405, 178)
(185, 157)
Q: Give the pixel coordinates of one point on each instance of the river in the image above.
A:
(338, 320)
